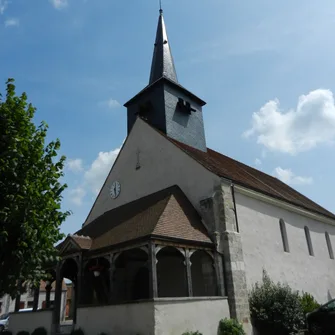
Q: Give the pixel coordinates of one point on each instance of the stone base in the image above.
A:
(157, 317)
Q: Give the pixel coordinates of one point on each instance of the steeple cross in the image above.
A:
(160, 6)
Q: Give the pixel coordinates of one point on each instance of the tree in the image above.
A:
(30, 194)
(275, 308)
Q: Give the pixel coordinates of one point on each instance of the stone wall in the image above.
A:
(159, 317)
(219, 213)
(123, 319)
(29, 321)
(177, 317)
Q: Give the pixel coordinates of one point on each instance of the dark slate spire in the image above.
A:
(162, 60)
(164, 103)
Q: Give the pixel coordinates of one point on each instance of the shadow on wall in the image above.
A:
(329, 296)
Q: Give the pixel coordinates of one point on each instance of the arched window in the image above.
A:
(329, 245)
(284, 235)
(309, 241)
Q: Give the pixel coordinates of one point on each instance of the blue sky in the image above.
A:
(265, 68)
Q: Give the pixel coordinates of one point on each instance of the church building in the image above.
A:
(179, 233)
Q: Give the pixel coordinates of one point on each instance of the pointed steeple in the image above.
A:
(162, 60)
(164, 103)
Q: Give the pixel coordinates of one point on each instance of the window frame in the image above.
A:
(329, 245)
(283, 232)
(309, 241)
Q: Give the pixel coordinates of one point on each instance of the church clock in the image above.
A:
(115, 189)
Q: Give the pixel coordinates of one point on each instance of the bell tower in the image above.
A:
(164, 103)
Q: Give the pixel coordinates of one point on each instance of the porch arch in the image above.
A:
(171, 273)
(131, 280)
(204, 282)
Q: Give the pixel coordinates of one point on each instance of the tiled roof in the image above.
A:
(249, 177)
(84, 242)
(167, 213)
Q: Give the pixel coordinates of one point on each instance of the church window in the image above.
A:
(329, 245)
(284, 235)
(309, 241)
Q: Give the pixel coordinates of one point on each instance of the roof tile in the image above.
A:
(167, 213)
(249, 177)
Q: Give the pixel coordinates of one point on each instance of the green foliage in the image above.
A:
(78, 331)
(192, 333)
(275, 308)
(308, 303)
(22, 332)
(230, 327)
(30, 194)
(39, 331)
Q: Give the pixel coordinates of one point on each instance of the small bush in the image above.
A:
(275, 308)
(78, 331)
(230, 327)
(192, 333)
(40, 331)
(308, 303)
(23, 332)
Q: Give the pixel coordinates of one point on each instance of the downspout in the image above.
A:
(233, 196)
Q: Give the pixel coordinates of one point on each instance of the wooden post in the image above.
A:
(17, 302)
(188, 272)
(36, 296)
(111, 276)
(57, 299)
(152, 270)
(18, 296)
(77, 289)
(47, 295)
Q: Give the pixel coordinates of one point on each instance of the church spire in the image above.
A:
(162, 60)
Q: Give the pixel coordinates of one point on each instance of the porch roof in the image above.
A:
(167, 213)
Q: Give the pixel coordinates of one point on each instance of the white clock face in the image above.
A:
(115, 189)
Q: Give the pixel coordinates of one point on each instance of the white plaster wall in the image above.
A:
(29, 321)
(125, 319)
(177, 317)
(263, 248)
(162, 165)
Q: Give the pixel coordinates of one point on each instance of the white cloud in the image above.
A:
(97, 173)
(75, 165)
(112, 103)
(258, 162)
(12, 23)
(59, 4)
(312, 123)
(77, 195)
(288, 177)
(92, 178)
(3, 6)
